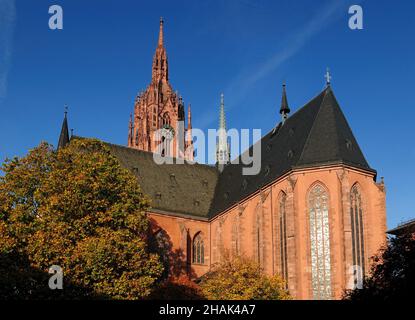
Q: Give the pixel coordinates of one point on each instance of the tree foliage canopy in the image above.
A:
(79, 209)
(240, 278)
(392, 276)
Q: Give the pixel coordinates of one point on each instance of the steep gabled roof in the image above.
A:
(315, 135)
(331, 138)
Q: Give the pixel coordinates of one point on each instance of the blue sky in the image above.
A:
(245, 48)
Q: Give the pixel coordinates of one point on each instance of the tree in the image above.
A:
(178, 288)
(392, 275)
(79, 209)
(240, 278)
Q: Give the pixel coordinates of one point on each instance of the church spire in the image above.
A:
(189, 151)
(222, 119)
(161, 40)
(222, 147)
(284, 110)
(64, 136)
(189, 118)
(160, 65)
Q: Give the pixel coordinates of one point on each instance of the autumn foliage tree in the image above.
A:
(177, 288)
(79, 209)
(241, 278)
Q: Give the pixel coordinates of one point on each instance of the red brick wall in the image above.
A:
(238, 227)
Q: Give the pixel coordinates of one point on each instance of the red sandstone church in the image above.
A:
(315, 214)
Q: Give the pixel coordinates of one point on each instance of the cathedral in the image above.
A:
(315, 214)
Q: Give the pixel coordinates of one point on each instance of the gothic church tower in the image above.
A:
(160, 109)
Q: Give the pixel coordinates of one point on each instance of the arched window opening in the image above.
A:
(198, 249)
(358, 252)
(166, 119)
(320, 243)
(283, 236)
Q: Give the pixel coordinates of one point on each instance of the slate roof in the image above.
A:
(182, 188)
(317, 134)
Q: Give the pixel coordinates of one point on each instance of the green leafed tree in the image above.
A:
(79, 209)
(241, 278)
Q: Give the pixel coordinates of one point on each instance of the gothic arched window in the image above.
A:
(356, 216)
(319, 242)
(166, 119)
(198, 249)
(283, 236)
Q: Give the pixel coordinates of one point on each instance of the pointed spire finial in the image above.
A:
(66, 110)
(189, 118)
(328, 77)
(222, 120)
(285, 109)
(161, 32)
(222, 145)
(64, 136)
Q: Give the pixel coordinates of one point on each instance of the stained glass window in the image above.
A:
(198, 249)
(356, 216)
(283, 236)
(320, 243)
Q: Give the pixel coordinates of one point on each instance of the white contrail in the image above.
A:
(245, 80)
(7, 24)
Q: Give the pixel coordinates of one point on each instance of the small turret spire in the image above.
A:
(222, 119)
(222, 147)
(189, 117)
(64, 136)
(161, 36)
(284, 110)
(189, 151)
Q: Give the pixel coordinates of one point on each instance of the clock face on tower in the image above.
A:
(167, 131)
